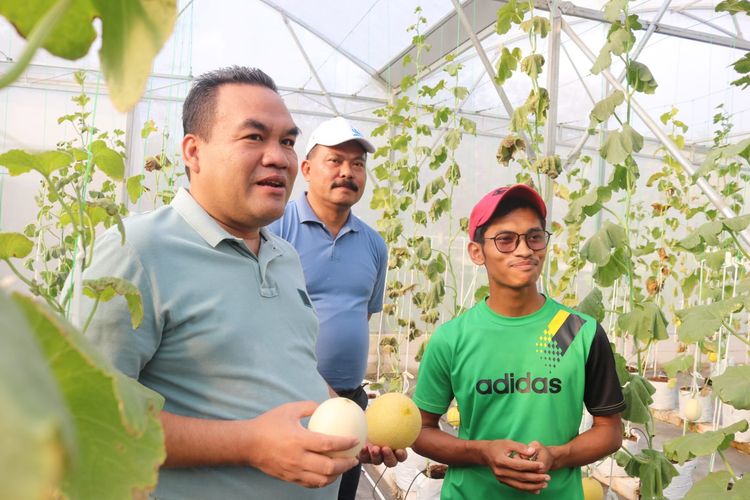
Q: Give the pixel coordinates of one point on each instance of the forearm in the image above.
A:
(447, 449)
(198, 442)
(604, 438)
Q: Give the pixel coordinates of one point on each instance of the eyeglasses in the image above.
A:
(508, 241)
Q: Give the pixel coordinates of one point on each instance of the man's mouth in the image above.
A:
(275, 182)
(347, 185)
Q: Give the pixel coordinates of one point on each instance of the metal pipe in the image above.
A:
(309, 64)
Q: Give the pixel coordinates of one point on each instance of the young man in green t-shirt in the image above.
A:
(520, 366)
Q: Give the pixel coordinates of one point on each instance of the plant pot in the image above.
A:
(665, 397)
(706, 401)
(681, 483)
(732, 415)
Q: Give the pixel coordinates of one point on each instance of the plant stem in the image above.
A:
(36, 38)
(91, 315)
(727, 465)
(735, 333)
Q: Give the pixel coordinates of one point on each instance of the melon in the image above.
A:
(340, 417)
(393, 420)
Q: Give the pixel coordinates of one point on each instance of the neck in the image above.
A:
(513, 302)
(333, 216)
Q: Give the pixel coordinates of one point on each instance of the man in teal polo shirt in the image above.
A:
(228, 332)
(520, 366)
(344, 259)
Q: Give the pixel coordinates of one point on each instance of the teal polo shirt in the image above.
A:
(345, 278)
(225, 334)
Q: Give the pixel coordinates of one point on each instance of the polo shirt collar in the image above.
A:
(199, 220)
(306, 214)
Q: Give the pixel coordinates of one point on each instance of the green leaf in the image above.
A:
(106, 288)
(539, 25)
(149, 127)
(510, 13)
(135, 187)
(652, 467)
(679, 364)
(645, 322)
(481, 293)
(699, 322)
(621, 40)
(605, 108)
(637, 394)
(532, 65)
(507, 64)
(714, 487)
(598, 248)
(115, 416)
(603, 60)
(640, 77)
(592, 305)
(733, 386)
(133, 32)
(108, 160)
(19, 162)
(14, 245)
(693, 445)
(588, 204)
(728, 152)
(733, 6)
(36, 428)
(621, 366)
(614, 9)
(620, 144)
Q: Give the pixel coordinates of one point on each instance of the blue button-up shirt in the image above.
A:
(345, 279)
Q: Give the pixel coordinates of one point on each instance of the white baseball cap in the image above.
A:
(337, 131)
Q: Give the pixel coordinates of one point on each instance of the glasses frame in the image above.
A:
(518, 240)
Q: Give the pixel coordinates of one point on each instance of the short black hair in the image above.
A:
(504, 208)
(200, 103)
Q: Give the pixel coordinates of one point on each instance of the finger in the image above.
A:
(388, 456)
(525, 477)
(523, 486)
(520, 464)
(301, 409)
(326, 443)
(401, 454)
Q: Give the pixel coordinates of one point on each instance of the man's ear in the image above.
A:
(476, 253)
(190, 152)
(305, 169)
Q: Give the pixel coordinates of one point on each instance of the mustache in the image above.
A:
(346, 184)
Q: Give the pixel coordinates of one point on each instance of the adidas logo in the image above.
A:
(509, 384)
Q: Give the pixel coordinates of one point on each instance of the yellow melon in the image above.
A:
(453, 417)
(592, 489)
(393, 420)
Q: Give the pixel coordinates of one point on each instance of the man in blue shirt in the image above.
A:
(344, 260)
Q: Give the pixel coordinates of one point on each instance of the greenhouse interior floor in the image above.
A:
(665, 431)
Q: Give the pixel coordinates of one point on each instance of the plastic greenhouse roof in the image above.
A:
(342, 57)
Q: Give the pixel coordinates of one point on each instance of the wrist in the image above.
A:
(477, 452)
(559, 455)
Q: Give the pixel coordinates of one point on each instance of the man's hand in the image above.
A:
(376, 455)
(511, 464)
(543, 455)
(283, 448)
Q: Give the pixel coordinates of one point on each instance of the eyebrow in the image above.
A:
(258, 125)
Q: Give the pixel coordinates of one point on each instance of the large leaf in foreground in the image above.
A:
(733, 386)
(36, 430)
(133, 32)
(117, 419)
(694, 445)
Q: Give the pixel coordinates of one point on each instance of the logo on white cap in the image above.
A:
(337, 131)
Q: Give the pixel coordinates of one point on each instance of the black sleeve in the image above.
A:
(602, 393)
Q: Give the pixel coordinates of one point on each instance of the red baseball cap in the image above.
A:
(483, 210)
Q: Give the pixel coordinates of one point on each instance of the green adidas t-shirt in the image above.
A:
(523, 378)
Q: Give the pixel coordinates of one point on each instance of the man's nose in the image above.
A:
(277, 155)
